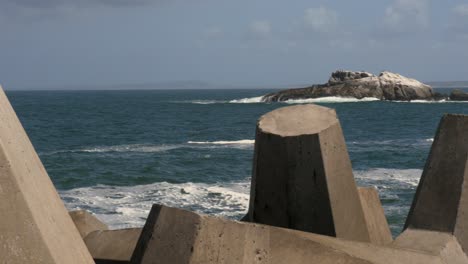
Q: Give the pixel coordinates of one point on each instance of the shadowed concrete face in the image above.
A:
(302, 176)
(34, 225)
(86, 222)
(441, 200)
(176, 236)
(109, 246)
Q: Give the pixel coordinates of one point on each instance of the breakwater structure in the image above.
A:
(304, 207)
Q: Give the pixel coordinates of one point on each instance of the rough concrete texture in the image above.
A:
(34, 225)
(440, 244)
(112, 245)
(441, 200)
(86, 222)
(176, 236)
(302, 176)
(379, 232)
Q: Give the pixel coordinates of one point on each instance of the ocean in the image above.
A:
(115, 153)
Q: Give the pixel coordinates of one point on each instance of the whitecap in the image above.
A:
(130, 148)
(201, 102)
(150, 148)
(251, 100)
(224, 142)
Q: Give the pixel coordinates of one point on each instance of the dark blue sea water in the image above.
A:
(116, 153)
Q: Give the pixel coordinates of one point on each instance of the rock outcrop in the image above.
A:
(386, 86)
(458, 95)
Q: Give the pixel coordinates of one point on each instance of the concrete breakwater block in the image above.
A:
(112, 246)
(180, 237)
(441, 200)
(34, 225)
(436, 243)
(86, 222)
(302, 176)
(377, 225)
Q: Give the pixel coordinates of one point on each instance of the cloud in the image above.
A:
(461, 10)
(320, 19)
(407, 15)
(260, 29)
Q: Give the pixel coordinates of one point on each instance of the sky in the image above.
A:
(241, 43)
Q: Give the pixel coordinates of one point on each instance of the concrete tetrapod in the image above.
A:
(112, 246)
(34, 225)
(177, 236)
(86, 222)
(302, 176)
(440, 205)
(374, 214)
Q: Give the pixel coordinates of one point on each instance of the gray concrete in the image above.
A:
(34, 225)
(86, 223)
(440, 244)
(180, 237)
(376, 223)
(441, 200)
(112, 245)
(302, 176)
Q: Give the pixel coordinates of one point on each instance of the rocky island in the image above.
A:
(360, 84)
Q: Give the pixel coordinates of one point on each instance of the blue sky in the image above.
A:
(262, 43)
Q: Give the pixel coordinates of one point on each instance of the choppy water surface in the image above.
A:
(118, 152)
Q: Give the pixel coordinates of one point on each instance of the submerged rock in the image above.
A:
(357, 84)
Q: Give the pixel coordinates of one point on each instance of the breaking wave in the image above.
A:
(128, 206)
(122, 207)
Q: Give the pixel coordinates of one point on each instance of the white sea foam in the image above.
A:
(150, 148)
(122, 207)
(205, 102)
(431, 102)
(251, 100)
(128, 206)
(201, 102)
(331, 99)
(223, 142)
(429, 139)
(389, 178)
(130, 148)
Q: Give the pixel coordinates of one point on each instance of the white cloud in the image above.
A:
(407, 15)
(461, 10)
(260, 28)
(320, 19)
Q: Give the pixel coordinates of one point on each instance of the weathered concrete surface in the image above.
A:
(302, 176)
(112, 245)
(34, 225)
(376, 223)
(177, 236)
(86, 222)
(441, 200)
(440, 244)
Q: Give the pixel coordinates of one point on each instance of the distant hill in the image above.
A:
(454, 84)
